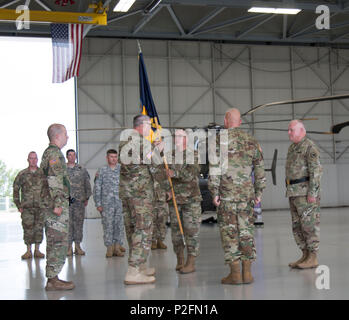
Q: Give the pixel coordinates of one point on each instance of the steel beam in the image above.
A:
(55, 17)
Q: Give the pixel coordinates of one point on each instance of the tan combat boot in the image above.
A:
(54, 284)
(134, 276)
(189, 266)
(117, 251)
(300, 260)
(78, 251)
(146, 271)
(27, 255)
(234, 277)
(246, 272)
(180, 260)
(109, 253)
(122, 248)
(161, 245)
(154, 245)
(70, 251)
(37, 253)
(309, 262)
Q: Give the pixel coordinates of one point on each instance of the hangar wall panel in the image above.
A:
(194, 83)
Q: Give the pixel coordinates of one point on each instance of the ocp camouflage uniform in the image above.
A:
(188, 198)
(137, 194)
(160, 213)
(29, 188)
(106, 195)
(56, 227)
(303, 161)
(237, 193)
(80, 191)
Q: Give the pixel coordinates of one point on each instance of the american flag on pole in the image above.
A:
(67, 47)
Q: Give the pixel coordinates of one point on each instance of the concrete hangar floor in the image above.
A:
(99, 278)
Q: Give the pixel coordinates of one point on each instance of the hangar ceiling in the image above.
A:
(222, 21)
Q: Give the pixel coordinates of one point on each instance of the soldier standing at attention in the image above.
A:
(185, 180)
(235, 196)
(28, 189)
(108, 204)
(137, 193)
(57, 218)
(161, 212)
(80, 191)
(303, 175)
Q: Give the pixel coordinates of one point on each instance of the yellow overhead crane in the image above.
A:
(98, 17)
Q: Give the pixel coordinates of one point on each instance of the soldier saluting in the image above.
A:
(303, 175)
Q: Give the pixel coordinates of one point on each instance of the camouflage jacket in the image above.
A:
(235, 182)
(160, 193)
(303, 160)
(30, 189)
(186, 180)
(138, 171)
(55, 169)
(80, 187)
(106, 186)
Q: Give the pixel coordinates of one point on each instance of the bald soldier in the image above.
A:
(303, 175)
(28, 191)
(57, 218)
(235, 196)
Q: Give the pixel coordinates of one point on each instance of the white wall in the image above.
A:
(194, 83)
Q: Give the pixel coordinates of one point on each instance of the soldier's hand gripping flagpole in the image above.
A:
(172, 190)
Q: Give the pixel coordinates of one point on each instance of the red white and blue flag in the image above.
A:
(66, 47)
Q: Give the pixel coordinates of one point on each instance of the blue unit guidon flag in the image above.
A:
(66, 47)
(147, 102)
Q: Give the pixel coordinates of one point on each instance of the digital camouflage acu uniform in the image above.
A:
(161, 212)
(137, 194)
(303, 161)
(106, 195)
(29, 191)
(188, 197)
(237, 194)
(80, 191)
(56, 227)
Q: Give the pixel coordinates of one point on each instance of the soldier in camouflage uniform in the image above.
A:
(80, 191)
(303, 175)
(28, 189)
(57, 216)
(137, 193)
(161, 212)
(106, 197)
(185, 181)
(235, 196)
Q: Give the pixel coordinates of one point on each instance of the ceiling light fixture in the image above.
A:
(124, 5)
(274, 10)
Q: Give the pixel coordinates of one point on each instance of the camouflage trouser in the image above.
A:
(161, 213)
(138, 215)
(113, 224)
(236, 225)
(33, 225)
(305, 223)
(56, 229)
(76, 222)
(190, 215)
